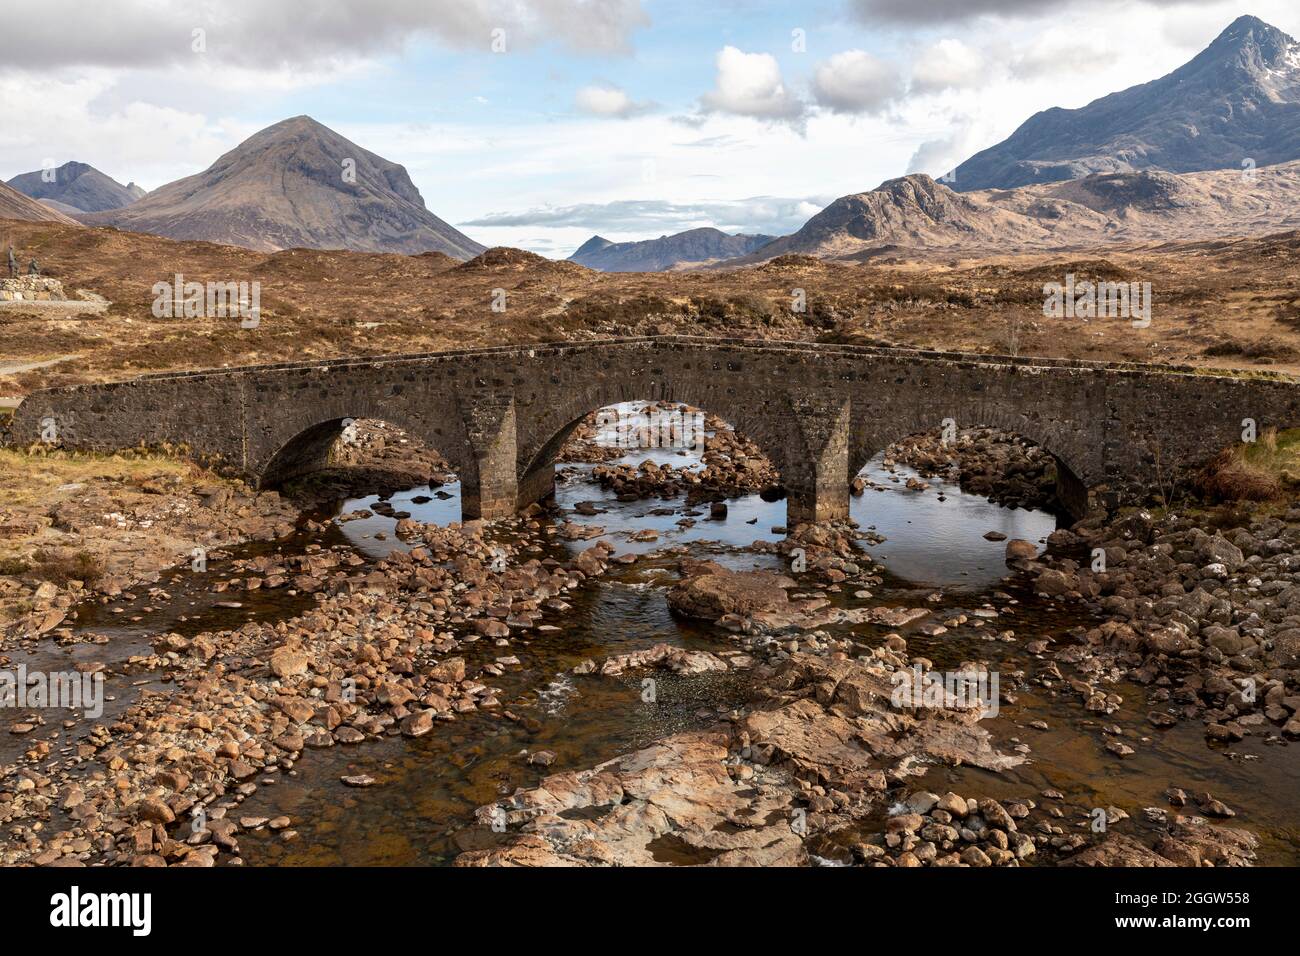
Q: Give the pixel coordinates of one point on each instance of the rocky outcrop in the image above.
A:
(676, 801)
(820, 751)
(1187, 841)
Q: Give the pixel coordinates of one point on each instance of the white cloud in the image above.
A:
(856, 82)
(947, 65)
(940, 157)
(608, 101)
(52, 118)
(273, 34)
(750, 84)
(1060, 51)
(649, 218)
(948, 11)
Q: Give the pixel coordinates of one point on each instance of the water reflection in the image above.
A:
(929, 541)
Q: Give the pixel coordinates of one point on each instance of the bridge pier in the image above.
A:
(816, 476)
(1071, 493)
(490, 488)
(810, 505)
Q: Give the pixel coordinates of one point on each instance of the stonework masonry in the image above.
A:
(31, 289)
(820, 412)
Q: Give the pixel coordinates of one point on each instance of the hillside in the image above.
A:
(693, 247)
(915, 215)
(14, 205)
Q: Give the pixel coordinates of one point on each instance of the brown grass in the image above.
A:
(62, 568)
(1249, 472)
(33, 476)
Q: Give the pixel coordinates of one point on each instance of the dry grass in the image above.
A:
(60, 567)
(1260, 471)
(34, 476)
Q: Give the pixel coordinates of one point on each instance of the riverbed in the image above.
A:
(934, 552)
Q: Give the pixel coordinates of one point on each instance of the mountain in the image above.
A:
(911, 211)
(77, 185)
(14, 205)
(692, 247)
(296, 184)
(916, 214)
(592, 245)
(1239, 99)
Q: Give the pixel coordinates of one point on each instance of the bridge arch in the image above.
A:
(543, 436)
(1078, 462)
(300, 440)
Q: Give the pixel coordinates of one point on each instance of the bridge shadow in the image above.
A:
(1001, 465)
(353, 458)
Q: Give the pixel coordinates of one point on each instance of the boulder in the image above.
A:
(1018, 549)
(712, 595)
(288, 660)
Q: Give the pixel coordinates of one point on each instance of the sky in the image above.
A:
(538, 123)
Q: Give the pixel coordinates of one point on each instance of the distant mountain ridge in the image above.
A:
(1236, 101)
(15, 205)
(77, 186)
(692, 247)
(296, 184)
(916, 214)
(911, 211)
(590, 247)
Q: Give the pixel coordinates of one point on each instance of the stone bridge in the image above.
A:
(820, 412)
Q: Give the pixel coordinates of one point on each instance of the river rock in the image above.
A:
(288, 661)
(631, 810)
(711, 595)
(1018, 549)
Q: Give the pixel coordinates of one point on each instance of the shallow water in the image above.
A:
(927, 541)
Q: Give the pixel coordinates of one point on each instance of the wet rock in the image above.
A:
(1018, 549)
(1118, 850)
(670, 803)
(711, 595)
(679, 660)
(418, 724)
